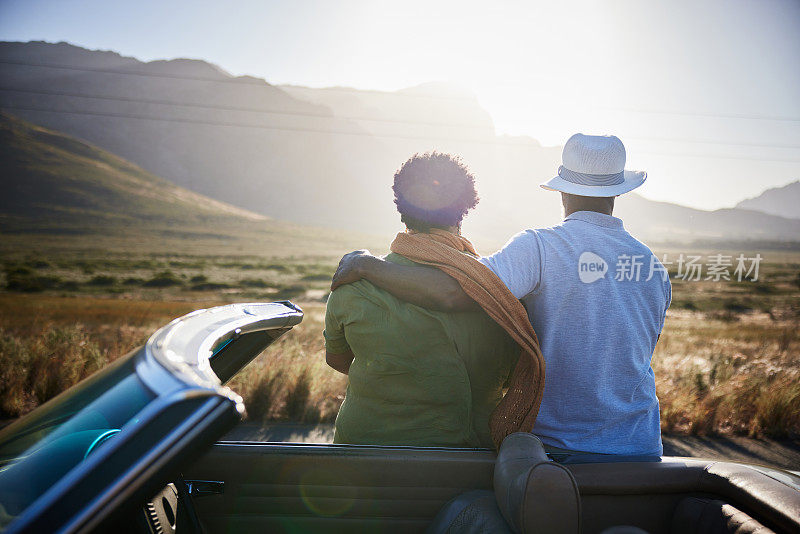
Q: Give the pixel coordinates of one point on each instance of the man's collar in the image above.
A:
(599, 219)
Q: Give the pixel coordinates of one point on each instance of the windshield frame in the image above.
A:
(98, 489)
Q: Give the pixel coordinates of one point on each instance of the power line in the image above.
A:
(218, 107)
(248, 80)
(741, 116)
(721, 143)
(715, 156)
(265, 84)
(259, 126)
(233, 108)
(343, 132)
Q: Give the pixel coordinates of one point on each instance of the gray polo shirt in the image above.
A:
(597, 299)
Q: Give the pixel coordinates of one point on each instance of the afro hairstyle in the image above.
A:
(433, 190)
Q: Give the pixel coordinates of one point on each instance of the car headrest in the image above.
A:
(533, 493)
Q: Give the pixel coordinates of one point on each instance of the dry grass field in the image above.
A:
(739, 377)
(48, 343)
(727, 363)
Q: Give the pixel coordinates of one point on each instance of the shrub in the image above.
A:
(261, 398)
(256, 282)
(86, 267)
(31, 283)
(15, 393)
(163, 279)
(726, 316)
(297, 398)
(209, 286)
(319, 277)
(777, 410)
(102, 280)
(684, 304)
(289, 292)
(765, 288)
(736, 306)
(37, 369)
(18, 270)
(69, 285)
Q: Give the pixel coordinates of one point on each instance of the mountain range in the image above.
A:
(782, 201)
(321, 157)
(55, 186)
(55, 182)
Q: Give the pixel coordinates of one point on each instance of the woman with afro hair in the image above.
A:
(418, 376)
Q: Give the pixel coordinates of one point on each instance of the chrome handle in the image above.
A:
(201, 488)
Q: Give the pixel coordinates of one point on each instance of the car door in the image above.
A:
(285, 487)
(274, 487)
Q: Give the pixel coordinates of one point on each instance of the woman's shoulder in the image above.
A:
(397, 258)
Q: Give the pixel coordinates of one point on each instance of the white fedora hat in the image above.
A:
(594, 166)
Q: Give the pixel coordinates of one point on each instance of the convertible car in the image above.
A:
(135, 448)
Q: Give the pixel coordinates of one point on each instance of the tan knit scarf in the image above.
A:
(456, 256)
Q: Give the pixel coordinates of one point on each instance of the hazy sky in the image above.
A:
(705, 94)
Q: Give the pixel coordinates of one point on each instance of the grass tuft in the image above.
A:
(102, 280)
(163, 279)
(37, 369)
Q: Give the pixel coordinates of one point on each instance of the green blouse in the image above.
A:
(419, 377)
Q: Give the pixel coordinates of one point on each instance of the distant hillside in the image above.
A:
(57, 182)
(433, 111)
(783, 201)
(55, 185)
(322, 157)
(194, 125)
(665, 222)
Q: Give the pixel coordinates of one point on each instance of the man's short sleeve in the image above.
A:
(519, 263)
(335, 342)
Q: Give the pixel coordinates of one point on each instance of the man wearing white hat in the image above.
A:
(596, 297)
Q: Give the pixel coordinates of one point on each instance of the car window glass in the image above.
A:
(42, 448)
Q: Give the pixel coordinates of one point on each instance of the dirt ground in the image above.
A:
(783, 454)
